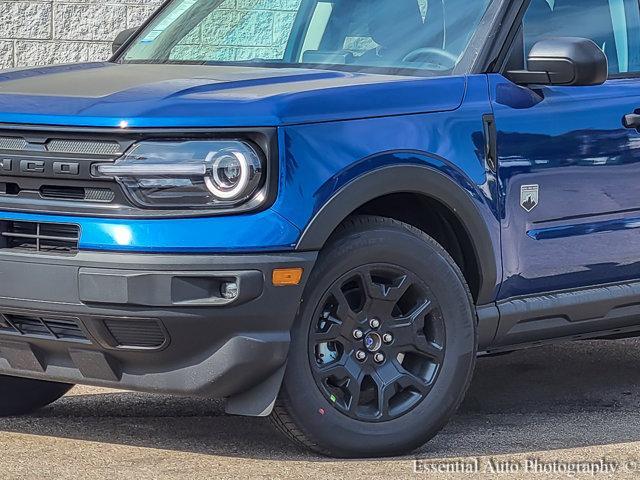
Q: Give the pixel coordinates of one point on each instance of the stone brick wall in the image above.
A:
(241, 30)
(38, 32)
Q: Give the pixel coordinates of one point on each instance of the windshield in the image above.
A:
(429, 35)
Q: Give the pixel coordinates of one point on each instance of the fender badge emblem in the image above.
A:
(529, 196)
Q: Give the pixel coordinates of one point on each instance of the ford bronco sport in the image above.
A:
(321, 210)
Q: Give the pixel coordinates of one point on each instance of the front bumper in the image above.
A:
(154, 323)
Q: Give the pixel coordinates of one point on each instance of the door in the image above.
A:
(569, 170)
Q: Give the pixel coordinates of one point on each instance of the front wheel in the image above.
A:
(384, 346)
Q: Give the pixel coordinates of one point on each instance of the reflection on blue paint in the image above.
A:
(584, 229)
(571, 142)
(121, 234)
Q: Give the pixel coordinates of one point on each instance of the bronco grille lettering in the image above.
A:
(32, 166)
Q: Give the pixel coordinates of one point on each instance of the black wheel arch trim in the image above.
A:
(417, 179)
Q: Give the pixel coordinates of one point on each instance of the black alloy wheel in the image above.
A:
(378, 343)
(384, 345)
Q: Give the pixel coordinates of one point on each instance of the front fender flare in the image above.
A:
(466, 203)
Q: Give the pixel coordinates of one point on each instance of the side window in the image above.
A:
(614, 25)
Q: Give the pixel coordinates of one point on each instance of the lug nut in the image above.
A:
(357, 334)
(374, 323)
(387, 338)
(361, 355)
(378, 357)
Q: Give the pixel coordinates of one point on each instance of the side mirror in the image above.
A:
(122, 38)
(568, 61)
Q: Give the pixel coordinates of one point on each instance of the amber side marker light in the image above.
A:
(284, 277)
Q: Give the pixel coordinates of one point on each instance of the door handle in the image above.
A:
(631, 120)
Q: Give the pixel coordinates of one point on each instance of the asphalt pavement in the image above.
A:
(567, 411)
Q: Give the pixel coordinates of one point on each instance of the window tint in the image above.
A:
(357, 37)
(614, 25)
(393, 35)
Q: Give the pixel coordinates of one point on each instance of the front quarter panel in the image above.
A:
(321, 160)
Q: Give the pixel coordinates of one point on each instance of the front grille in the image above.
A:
(85, 147)
(61, 192)
(52, 238)
(72, 146)
(88, 194)
(129, 333)
(104, 195)
(47, 327)
(44, 171)
(13, 143)
(65, 193)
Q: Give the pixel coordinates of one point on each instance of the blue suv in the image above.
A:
(321, 210)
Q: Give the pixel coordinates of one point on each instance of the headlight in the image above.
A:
(188, 174)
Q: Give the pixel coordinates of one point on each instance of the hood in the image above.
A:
(107, 94)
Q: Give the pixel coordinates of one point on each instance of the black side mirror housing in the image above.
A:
(567, 61)
(122, 38)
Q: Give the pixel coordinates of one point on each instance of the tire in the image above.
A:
(393, 407)
(21, 396)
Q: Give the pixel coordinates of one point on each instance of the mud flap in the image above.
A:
(259, 400)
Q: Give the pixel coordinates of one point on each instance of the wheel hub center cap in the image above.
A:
(373, 342)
